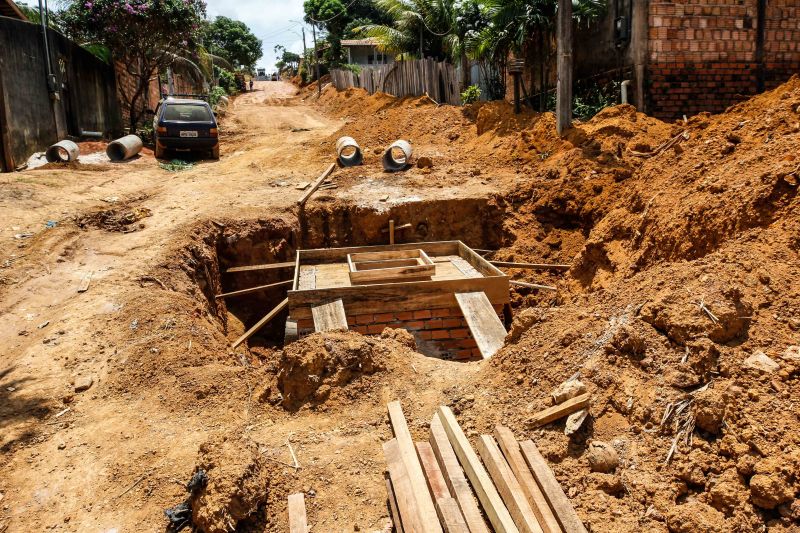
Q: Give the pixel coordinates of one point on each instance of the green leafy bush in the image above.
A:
(227, 81)
(215, 94)
(471, 95)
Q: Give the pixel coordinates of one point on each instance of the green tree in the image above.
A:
(144, 35)
(234, 41)
(330, 16)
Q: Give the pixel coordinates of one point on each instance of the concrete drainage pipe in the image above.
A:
(124, 148)
(62, 152)
(348, 152)
(397, 156)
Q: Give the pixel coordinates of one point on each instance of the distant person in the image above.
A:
(251, 84)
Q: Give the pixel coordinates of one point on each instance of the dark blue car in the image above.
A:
(185, 125)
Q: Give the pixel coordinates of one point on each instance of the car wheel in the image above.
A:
(215, 152)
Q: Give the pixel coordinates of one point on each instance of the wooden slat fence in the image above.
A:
(405, 78)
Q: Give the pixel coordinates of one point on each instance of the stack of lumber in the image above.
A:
(443, 485)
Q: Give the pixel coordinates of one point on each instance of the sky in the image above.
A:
(272, 21)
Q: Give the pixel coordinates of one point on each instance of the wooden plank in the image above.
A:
(530, 266)
(85, 281)
(454, 477)
(484, 488)
(393, 510)
(302, 186)
(260, 324)
(316, 184)
(385, 263)
(403, 491)
(410, 296)
(254, 289)
(561, 410)
(329, 316)
(450, 516)
(360, 257)
(253, 268)
(336, 255)
(562, 508)
(296, 284)
(480, 263)
(433, 474)
(483, 322)
(424, 503)
(507, 485)
(532, 285)
(297, 513)
(394, 273)
(541, 509)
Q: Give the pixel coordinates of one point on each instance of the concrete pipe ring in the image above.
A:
(124, 148)
(348, 152)
(62, 152)
(397, 156)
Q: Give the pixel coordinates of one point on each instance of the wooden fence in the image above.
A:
(405, 78)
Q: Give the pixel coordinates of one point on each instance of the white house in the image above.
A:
(364, 52)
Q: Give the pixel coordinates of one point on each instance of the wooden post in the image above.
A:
(391, 232)
(564, 86)
(639, 30)
(316, 60)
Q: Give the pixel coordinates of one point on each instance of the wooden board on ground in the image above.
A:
(395, 512)
(316, 184)
(85, 281)
(450, 516)
(253, 268)
(433, 474)
(401, 484)
(424, 502)
(562, 508)
(561, 410)
(297, 514)
(260, 324)
(302, 185)
(516, 462)
(530, 266)
(329, 316)
(507, 485)
(454, 477)
(253, 289)
(484, 488)
(486, 328)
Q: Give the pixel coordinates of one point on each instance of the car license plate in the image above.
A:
(188, 134)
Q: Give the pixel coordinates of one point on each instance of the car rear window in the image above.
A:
(187, 113)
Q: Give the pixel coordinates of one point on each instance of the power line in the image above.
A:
(333, 17)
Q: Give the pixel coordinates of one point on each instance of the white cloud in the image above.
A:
(272, 21)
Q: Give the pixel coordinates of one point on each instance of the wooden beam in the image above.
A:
(564, 66)
(329, 316)
(391, 231)
(483, 322)
(484, 488)
(532, 285)
(433, 474)
(454, 477)
(541, 509)
(395, 512)
(253, 289)
(562, 508)
(424, 503)
(297, 514)
(450, 516)
(507, 485)
(253, 268)
(561, 410)
(260, 324)
(401, 484)
(339, 255)
(531, 266)
(301, 202)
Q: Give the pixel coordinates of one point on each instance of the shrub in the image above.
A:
(471, 95)
(215, 94)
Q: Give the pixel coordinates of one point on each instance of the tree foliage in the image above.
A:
(234, 41)
(145, 35)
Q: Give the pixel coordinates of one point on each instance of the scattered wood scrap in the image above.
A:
(666, 145)
(85, 281)
(560, 411)
(260, 324)
(253, 268)
(530, 266)
(298, 522)
(254, 289)
(483, 322)
(314, 186)
(532, 285)
(329, 316)
(303, 185)
(395, 512)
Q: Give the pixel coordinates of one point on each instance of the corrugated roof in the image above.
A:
(9, 9)
(359, 42)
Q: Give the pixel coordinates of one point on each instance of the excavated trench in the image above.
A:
(477, 222)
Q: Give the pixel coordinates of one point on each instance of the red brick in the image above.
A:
(425, 334)
(434, 323)
(425, 313)
(452, 323)
(460, 333)
(440, 334)
(417, 324)
(405, 315)
(376, 328)
(305, 323)
(364, 319)
(441, 312)
(384, 317)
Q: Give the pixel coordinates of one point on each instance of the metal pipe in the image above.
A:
(624, 90)
(397, 156)
(62, 152)
(348, 152)
(124, 148)
(48, 63)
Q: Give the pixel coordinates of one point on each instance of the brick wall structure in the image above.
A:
(705, 55)
(439, 332)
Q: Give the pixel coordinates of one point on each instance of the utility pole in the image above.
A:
(316, 60)
(564, 67)
(305, 52)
